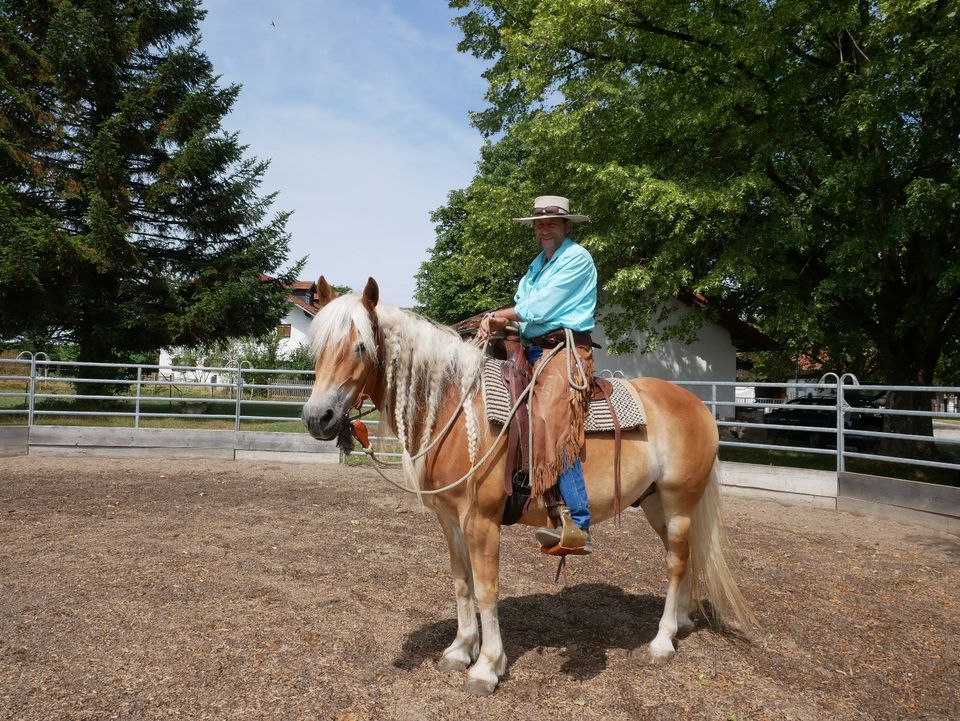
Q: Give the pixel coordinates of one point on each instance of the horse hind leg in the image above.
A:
(674, 532)
(653, 510)
(460, 654)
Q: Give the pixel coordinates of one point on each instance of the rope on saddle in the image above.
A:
(584, 382)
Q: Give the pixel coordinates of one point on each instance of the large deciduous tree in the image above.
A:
(129, 220)
(799, 161)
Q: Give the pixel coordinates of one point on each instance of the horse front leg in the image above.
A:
(483, 541)
(466, 646)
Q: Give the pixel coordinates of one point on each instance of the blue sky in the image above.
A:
(362, 109)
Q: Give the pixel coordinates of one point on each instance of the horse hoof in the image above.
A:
(451, 664)
(479, 686)
(657, 656)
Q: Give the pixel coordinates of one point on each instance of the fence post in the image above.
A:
(841, 408)
(840, 438)
(713, 399)
(31, 384)
(236, 426)
(136, 408)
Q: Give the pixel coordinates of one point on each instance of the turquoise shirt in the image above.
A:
(561, 293)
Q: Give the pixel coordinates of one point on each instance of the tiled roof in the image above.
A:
(311, 310)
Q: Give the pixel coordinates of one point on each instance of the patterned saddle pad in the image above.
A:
(496, 399)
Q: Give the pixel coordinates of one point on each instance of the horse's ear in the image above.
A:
(324, 292)
(371, 293)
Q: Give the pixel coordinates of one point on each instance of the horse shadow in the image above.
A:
(583, 623)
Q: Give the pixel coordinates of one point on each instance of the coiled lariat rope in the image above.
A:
(528, 391)
(571, 351)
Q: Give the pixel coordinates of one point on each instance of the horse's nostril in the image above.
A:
(326, 417)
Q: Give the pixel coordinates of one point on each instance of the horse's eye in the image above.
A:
(361, 349)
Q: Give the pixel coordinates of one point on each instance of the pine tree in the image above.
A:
(129, 220)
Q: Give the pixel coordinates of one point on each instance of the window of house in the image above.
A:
(284, 330)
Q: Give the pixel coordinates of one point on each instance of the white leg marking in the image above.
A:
(461, 653)
(484, 675)
(661, 648)
(684, 602)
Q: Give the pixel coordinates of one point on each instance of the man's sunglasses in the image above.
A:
(551, 210)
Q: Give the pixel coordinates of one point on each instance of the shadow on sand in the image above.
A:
(584, 621)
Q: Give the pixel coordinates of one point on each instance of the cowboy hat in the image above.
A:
(552, 206)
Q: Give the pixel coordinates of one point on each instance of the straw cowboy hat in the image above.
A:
(552, 206)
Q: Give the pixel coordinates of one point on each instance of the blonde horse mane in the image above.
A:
(420, 361)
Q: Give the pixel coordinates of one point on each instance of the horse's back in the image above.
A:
(681, 430)
(675, 449)
(676, 417)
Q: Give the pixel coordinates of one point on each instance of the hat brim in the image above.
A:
(573, 218)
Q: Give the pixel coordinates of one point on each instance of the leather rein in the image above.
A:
(365, 447)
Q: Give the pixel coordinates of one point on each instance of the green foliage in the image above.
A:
(948, 367)
(129, 220)
(798, 162)
(299, 359)
(263, 352)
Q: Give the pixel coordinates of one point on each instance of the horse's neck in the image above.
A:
(424, 380)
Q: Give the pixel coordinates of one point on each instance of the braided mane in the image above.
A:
(420, 361)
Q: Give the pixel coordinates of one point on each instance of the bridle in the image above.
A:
(350, 425)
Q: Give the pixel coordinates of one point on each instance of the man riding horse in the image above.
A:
(558, 292)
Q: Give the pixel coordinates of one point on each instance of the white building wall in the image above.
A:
(299, 322)
(711, 357)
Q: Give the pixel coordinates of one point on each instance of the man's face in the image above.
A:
(550, 233)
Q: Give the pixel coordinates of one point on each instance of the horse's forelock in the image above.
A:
(335, 321)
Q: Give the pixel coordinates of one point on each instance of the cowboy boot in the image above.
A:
(568, 538)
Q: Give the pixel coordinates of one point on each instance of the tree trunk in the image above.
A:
(93, 352)
(909, 371)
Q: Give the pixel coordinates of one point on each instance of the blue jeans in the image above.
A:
(574, 493)
(570, 482)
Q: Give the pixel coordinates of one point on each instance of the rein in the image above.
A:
(450, 486)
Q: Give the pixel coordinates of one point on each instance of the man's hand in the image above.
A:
(490, 324)
(496, 322)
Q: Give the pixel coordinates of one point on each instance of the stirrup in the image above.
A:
(568, 539)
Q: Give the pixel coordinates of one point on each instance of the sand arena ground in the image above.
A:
(145, 589)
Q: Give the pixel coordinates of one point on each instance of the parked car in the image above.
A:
(821, 412)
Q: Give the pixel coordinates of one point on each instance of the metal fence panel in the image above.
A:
(831, 424)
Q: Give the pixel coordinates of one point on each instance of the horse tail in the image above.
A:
(709, 569)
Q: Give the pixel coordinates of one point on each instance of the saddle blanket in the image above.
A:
(496, 399)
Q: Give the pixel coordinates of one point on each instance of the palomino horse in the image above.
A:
(425, 381)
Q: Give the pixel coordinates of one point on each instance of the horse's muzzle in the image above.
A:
(323, 422)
